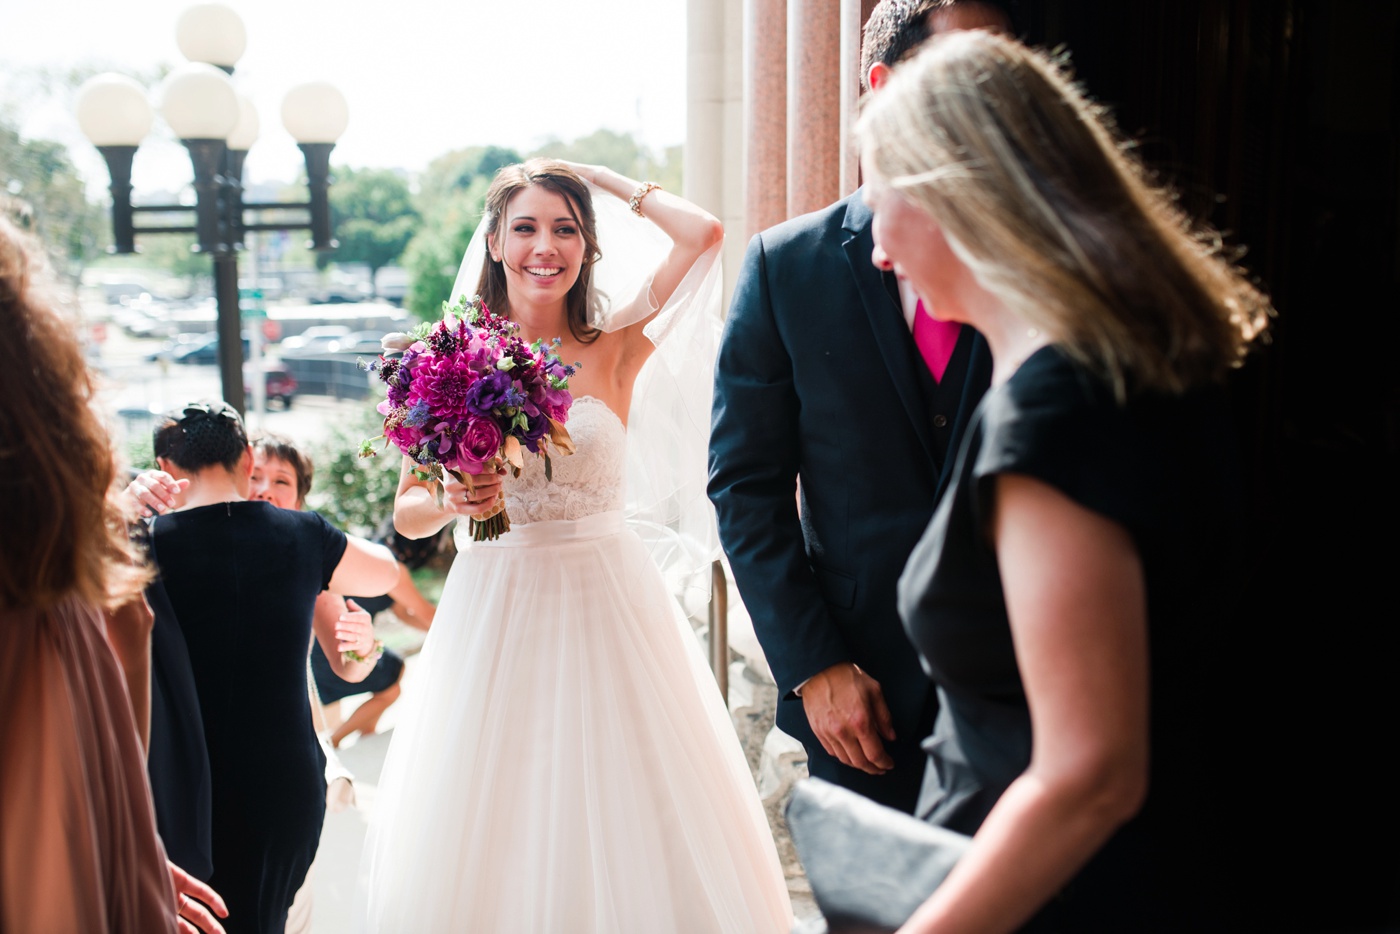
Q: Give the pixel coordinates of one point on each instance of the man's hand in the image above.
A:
(848, 713)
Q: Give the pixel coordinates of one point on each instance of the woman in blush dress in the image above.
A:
(1071, 596)
(78, 843)
(566, 762)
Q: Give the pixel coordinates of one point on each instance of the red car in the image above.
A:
(281, 386)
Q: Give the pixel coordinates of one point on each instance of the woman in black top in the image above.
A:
(242, 578)
(1067, 595)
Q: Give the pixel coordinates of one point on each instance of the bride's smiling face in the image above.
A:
(540, 246)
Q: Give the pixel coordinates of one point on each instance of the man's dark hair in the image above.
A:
(896, 29)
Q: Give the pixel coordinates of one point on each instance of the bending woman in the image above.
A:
(242, 579)
(1072, 587)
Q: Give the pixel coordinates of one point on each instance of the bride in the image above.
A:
(566, 763)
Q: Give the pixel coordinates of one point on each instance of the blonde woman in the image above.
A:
(1071, 585)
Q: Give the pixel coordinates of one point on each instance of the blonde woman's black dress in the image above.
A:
(1164, 469)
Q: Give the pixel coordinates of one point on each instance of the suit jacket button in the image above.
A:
(940, 421)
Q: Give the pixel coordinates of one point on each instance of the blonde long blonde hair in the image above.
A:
(64, 536)
(1036, 194)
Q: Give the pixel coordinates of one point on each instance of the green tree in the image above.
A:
(175, 254)
(355, 493)
(436, 251)
(48, 197)
(457, 170)
(621, 153)
(374, 218)
(451, 195)
(618, 151)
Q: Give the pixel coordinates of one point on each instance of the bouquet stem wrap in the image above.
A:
(495, 522)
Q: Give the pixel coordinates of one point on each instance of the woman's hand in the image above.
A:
(589, 173)
(354, 630)
(153, 492)
(474, 499)
(190, 892)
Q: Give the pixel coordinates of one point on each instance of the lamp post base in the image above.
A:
(229, 329)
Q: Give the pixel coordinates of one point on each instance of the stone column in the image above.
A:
(704, 123)
(765, 114)
(854, 13)
(814, 104)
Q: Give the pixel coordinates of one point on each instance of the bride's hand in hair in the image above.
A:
(589, 173)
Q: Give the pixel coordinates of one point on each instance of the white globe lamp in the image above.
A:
(212, 33)
(315, 112)
(112, 110)
(245, 132)
(199, 102)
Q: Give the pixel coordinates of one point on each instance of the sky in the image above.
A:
(422, 77)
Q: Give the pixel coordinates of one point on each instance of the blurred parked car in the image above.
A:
(316, 339)
(280, 386)
(342, 294)
(204, 352)
(359, 342)
(176, 343)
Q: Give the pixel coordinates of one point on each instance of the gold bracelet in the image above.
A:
(644, 189)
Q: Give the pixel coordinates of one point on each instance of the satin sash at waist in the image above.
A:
(559, 531)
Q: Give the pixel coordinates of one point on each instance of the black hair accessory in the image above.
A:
(220, 410)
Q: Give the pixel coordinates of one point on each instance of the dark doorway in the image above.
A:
(1279, 121)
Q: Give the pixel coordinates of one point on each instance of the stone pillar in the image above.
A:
(735, 226)
(704, 123)
(853, 16)
(765, 114)
(814, 104)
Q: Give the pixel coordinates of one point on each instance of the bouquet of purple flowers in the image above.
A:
(469, 396)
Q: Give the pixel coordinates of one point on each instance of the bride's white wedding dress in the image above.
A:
(566, 763)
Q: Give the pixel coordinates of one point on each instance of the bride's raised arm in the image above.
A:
(692, 230)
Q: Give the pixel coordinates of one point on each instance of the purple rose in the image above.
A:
(556, 404)
(479, 442)
(536, 428)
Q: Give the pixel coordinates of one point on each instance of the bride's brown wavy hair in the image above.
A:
(64, 535)
(557, 177)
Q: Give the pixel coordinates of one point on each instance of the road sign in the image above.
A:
(250, 303)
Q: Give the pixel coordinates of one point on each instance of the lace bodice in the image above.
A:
(587, 482)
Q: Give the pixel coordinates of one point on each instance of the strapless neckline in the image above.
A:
(609, 409)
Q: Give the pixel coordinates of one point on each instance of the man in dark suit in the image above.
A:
(836, 416)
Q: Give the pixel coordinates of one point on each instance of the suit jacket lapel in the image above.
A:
(886, 321)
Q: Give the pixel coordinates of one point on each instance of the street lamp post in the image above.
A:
(217, 126)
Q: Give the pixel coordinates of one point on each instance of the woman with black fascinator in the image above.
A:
(242, 579)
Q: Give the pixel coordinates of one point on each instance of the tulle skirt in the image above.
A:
(567, 764)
